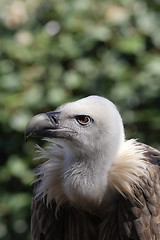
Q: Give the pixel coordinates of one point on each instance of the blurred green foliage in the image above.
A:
(55, 51)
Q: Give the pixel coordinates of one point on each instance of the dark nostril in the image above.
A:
(53, 116)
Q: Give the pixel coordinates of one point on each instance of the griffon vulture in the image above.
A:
(93, 184)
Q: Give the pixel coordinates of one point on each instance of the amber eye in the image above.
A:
(83, 119)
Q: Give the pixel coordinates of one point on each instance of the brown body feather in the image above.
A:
(127, 216)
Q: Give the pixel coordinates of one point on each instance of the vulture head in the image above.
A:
(84, 159)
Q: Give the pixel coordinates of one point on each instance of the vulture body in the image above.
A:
(93, 184)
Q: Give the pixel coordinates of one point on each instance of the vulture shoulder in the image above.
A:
(137, 217)
(127, 217)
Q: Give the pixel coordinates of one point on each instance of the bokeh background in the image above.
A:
(55, 51)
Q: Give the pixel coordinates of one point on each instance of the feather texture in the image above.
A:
(126, 217)
(129, 165)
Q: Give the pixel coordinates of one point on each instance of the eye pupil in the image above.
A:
(84, 119)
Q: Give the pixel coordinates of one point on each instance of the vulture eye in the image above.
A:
(83, 119)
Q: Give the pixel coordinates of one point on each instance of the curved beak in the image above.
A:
(44, 125)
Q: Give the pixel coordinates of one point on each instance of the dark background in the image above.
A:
(56, 51)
